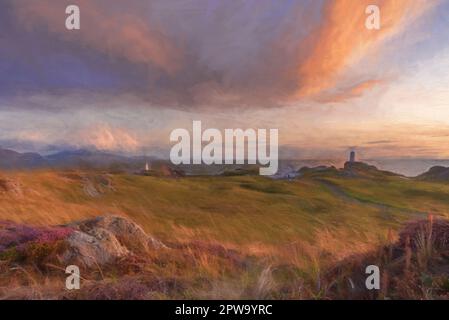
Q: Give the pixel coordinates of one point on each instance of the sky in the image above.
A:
(137, 70)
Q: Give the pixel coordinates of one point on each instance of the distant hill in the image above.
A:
(351, 169)
(410, 167)
(361, 169)
(318, 171)
(436, 173)
(97, 159)
(10, 159)
(84, 157)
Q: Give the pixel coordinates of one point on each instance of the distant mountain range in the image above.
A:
(85, 157)
(10, 159)
(96, 159)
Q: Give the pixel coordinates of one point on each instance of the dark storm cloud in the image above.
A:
(176, 53)
(189, 53)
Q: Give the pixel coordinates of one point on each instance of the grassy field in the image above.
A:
(241, 210)
(310, 222)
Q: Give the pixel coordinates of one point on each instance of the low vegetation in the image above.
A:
(231, 236)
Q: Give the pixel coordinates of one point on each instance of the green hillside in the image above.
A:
(310, 222)
(240, 210)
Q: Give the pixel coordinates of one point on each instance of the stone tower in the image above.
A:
(352, 156)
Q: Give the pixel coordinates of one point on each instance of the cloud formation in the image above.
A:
(199, 54)
(115, 33)
(139, 68)
(105, 137)
(347, 93)
(343, 38)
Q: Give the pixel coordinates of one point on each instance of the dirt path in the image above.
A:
(341, 194)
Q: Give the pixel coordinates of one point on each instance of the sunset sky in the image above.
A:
(139, 69)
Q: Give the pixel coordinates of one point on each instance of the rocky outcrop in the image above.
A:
(97, 249)
(104, 239)
(87, 243)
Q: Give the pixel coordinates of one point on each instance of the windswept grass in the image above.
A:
(233, 236)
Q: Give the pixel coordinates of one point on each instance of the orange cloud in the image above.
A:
(116, 34)
(352, 92)
(343, 38)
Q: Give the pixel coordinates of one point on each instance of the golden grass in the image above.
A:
(291, 229)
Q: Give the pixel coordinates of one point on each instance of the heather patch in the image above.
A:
(18, 240)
